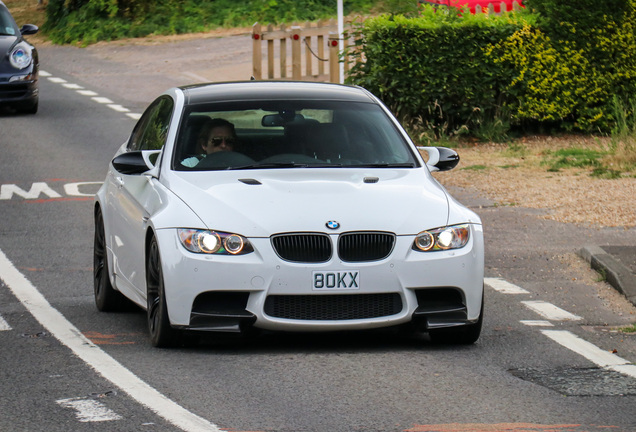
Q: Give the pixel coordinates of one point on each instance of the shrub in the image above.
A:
(433, 68)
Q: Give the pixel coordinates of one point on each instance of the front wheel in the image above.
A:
(161, 332)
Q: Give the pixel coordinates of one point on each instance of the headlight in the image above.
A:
(452, 237)
(214, 242)
(20, 57)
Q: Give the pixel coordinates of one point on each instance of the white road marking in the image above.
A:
(92, 94)
(89, 410)
(4, 326)
(102, 100)
(118, 108)
(537, 323)
(504, 286)
(72, 86)
(602, 358)
(550, 311)
(96, 358)
(629, 369)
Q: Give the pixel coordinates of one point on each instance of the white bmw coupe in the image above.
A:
(284, 206)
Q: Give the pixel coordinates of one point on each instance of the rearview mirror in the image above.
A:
(271, 120)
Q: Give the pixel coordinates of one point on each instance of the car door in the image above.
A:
(132, 198)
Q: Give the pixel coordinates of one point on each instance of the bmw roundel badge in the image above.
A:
(333, 225)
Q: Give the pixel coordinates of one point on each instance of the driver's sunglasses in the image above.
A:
(217, 141)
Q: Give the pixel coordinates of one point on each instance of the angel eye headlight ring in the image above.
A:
(213, 242)
(445, 238)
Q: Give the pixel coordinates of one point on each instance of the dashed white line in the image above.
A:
(537, 323)
(118, 108)
(504, 286)
(4, 326)
(550, 311)
(102, 100)
(57, 324)
(93, 95)
(72, 86)
(89, 410)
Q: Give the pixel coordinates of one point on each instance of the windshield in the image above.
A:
(7, 25)
(297, 134)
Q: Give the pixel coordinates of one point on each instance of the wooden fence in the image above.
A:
(313, 48)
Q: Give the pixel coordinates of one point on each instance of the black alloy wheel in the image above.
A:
(107, 299)
(161, 333)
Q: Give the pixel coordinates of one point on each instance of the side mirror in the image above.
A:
(29, 29)
(136, 162)
(441, 158)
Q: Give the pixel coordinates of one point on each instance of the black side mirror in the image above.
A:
(29, 29)
(131, 163)
(441, 158)
(448, 159)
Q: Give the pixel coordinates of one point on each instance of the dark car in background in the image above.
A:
(19, 65)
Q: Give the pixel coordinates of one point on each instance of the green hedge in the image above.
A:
(453, 71)
(434, 68)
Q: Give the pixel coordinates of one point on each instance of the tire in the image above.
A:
(464, 335)
(33, 109)
(107, 299)
(161, 332)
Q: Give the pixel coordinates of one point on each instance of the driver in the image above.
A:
(217, 135)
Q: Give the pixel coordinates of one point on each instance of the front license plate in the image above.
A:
(336, 280)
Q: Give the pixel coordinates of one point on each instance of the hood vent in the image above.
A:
(250, 181)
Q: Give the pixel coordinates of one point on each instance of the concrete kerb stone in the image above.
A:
(615, 273)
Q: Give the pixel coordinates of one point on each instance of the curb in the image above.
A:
(614, 272)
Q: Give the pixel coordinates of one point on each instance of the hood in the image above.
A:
(259, 203)
(6, 44)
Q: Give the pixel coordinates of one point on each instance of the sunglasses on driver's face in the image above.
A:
(217, 141)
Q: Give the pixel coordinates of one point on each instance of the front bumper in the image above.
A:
(228, 293)
(23, 93)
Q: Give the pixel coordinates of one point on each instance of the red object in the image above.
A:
(471, 4)
(257, 36)
(296, 37)
(334, 43)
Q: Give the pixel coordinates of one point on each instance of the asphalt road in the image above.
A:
(528, 372)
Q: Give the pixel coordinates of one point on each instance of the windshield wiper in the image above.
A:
(285, 165)
(387, 165)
